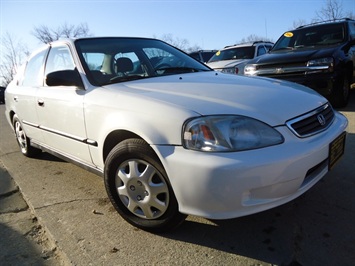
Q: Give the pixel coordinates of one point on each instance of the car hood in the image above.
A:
(226, 63)
(210, 93)
(290, 56)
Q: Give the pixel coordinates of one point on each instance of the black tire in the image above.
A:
(22, 140)
(139, 189)
(341, 92)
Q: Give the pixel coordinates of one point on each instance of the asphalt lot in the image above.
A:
(81, 227)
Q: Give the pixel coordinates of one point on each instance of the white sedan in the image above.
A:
(171, 136)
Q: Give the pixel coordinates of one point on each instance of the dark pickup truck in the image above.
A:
(320, 56)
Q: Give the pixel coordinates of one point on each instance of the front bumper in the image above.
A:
(229, 185)
(322, 83)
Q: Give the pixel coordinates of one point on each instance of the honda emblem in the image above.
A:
(321, 119)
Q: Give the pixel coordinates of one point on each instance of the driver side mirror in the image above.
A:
(64, 78)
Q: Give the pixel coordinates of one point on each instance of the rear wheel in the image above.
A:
(22, 140)
(139, 189)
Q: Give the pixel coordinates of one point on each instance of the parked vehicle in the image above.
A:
(232, 59)
(203, 55)
(320, 56)
(172, 140)
(2, 94)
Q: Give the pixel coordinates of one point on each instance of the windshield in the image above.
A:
(234, 54)
(319, 35)
(112, 60)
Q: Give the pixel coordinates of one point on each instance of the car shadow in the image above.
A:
(264, 236)
(45, 156)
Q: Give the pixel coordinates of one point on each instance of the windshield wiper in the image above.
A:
(118, 79)
(178, 70)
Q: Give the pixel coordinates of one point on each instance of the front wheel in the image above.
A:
(341, 92)
(139, 189)
(22, 140)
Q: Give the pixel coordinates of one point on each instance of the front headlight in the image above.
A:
(228, 133)
(250, 70)
(326, 63)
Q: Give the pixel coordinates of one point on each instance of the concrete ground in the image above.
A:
(23, 240)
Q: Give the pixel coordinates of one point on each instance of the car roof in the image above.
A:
(325, 22)
(101, 37)
(202, 51)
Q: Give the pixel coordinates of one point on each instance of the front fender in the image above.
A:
(155, 122)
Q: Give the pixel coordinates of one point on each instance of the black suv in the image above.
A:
(320, 56)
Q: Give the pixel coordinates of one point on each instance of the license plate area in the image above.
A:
(336, 150)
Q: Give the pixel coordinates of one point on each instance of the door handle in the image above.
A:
(40, 102)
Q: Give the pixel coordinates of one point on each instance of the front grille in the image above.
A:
(313, 122)
(283, 65)
(282, 71)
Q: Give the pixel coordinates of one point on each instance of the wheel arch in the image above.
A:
(114, 138)
(11, 117)
(117, 136)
